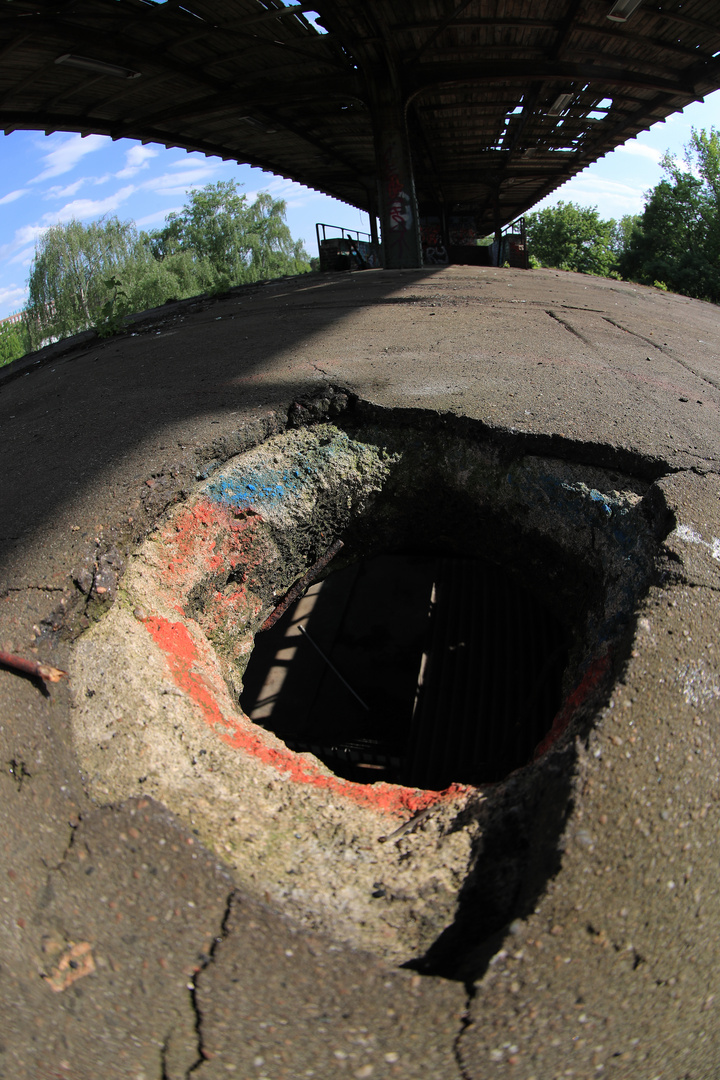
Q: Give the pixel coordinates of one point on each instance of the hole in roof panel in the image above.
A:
(313, 17)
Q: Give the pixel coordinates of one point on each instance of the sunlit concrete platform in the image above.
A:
(134, 947)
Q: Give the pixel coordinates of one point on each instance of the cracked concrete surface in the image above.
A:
(126, 949)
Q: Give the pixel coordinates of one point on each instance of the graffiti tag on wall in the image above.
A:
(434, 251)
(399, 202)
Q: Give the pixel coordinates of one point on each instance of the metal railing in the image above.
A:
(349, 249)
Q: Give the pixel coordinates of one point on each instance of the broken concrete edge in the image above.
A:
(310, 412)
(180, 477)
(187, 788)
(149, 697)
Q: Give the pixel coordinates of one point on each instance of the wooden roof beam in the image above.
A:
(430, 76)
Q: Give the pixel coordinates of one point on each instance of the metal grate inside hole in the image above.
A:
(416, 670)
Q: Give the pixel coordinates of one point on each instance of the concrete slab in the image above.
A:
(128, 948)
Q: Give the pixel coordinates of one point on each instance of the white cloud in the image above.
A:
(22, 246)
(640, 150)
(195, 158)
(157, 218)
(168, 184)
(612, 197)
(26, 234)
(24, 257)
(64, 156)
(13, 195)
(58, 192)
(295, 195)
(11, 298)
(303, 198)
(82, 209)
(137, 157)
(602, 186)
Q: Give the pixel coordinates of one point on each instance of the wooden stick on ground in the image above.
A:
(34, 668)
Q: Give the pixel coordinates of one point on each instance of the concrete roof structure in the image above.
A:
(182, 897)
(474, 109)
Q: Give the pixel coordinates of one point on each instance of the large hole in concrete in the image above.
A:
(476, 587)
(416, 669)
(483, 602)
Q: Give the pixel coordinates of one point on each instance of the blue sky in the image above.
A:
(49, 179)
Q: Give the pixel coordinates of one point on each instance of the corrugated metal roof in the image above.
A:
(506, 99)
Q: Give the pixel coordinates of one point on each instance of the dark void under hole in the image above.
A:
(459, 667)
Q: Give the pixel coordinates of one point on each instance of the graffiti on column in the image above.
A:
(400, 211)
(400, 207)
(433, 250)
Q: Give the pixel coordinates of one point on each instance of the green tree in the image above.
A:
(623, 232)
(573, 237)
(272, 250)
(67, 288)
(677, 239)
(14, 342)
(231, 240)
(92, 275)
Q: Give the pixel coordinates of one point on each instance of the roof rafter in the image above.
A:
(479, 79)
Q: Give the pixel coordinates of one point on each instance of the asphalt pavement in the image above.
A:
(131, 945)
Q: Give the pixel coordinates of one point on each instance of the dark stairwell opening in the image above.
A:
(418, 669)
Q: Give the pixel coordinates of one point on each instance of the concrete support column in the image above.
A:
(372, 214)
(399, 219)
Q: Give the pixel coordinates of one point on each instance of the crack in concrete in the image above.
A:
(32, 588)
(665, 350)
(193, 986)
(465, 1024)
(164, 1049)
(18, 771)
(68, 848)
(570, 329)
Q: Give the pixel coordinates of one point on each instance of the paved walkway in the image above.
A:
(128, 949)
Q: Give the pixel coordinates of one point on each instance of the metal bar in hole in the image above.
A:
(301, 585)
(332, 667)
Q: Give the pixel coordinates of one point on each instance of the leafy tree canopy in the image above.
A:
(14, 342)
(572, 237)
(93, 275)
(676, 242)
(66, 288)
(242, 242)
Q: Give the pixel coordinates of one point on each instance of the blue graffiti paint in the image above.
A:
(267, 484)
(598, 498)
(254, 487)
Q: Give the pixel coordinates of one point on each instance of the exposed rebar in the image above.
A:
(301, 585)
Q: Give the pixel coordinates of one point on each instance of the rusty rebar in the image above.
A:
(301, 585)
